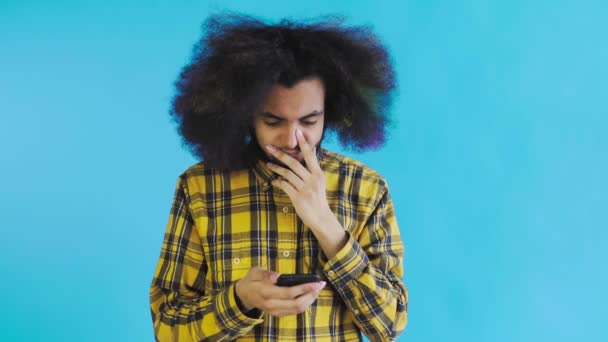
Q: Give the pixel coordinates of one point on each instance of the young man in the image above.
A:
(266, 199)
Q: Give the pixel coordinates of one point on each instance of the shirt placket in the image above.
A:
(286, 222)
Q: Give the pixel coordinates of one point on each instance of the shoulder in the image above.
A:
(201, 170)
(332, 161)
(194, 174)
(201, 178)
(340, 166)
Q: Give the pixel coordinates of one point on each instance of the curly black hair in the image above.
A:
(239, 58)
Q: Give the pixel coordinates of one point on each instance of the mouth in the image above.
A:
(293, 154)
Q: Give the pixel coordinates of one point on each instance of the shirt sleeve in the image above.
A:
(367, 273)
(181, 310)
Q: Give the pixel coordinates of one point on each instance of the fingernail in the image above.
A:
(270, 148)
(298, 132)
(321, 284)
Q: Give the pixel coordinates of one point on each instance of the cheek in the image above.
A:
(314, 134)
(261, 133)
(267, 136)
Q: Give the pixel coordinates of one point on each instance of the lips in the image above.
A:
(293, 154)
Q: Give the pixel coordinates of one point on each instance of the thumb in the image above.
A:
(273, 276)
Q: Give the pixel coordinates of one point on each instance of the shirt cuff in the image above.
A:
(230, 316)
(347, 264)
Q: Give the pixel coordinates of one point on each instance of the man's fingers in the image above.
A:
(306, 300)
(292, 292)
(301, 289)
(285, 186)
(259, 274)
(273, 276)
(287, 174)
(289, 161)
(284, 307)
(308, 152)
(260, 290)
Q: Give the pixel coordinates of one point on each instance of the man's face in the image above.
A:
(287, 109)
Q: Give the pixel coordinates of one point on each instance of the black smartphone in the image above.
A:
(297, 279)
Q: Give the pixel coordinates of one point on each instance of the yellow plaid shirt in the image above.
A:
(222, 224)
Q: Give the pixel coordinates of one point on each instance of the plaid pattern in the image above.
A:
(222, 224)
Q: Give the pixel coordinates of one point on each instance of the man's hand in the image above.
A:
(305, 187)
(258, 290)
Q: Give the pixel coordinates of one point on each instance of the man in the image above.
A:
(266, 200)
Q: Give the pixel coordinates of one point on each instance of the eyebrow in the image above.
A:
(269, 115)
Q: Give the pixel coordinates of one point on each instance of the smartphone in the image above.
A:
(297, 279)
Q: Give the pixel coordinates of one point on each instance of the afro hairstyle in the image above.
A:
(239, 58)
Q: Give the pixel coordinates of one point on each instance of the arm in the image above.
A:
(365, 269)
(181, 310)
(367, 274)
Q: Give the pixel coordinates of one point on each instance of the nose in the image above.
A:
(289, 137)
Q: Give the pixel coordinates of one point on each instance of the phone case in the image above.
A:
(297, 279)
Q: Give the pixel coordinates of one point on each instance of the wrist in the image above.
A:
(326, 222)
(331, 235)
(242, 304)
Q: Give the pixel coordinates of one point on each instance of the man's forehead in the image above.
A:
(283, 116)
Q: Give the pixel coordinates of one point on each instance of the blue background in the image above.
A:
(497, 162)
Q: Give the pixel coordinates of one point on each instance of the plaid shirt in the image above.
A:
(222, 224)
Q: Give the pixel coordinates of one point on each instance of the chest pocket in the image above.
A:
(229, 265)
(231, 248)
(244, 258)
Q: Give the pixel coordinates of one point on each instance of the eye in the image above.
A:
(272, 123)
(309, 123)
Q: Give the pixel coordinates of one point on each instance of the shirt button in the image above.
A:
(237, 260)
(285, 253)
(356, 312)
(286, 210)
(330, 273)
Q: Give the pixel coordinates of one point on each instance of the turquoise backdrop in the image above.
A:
(497, 162)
